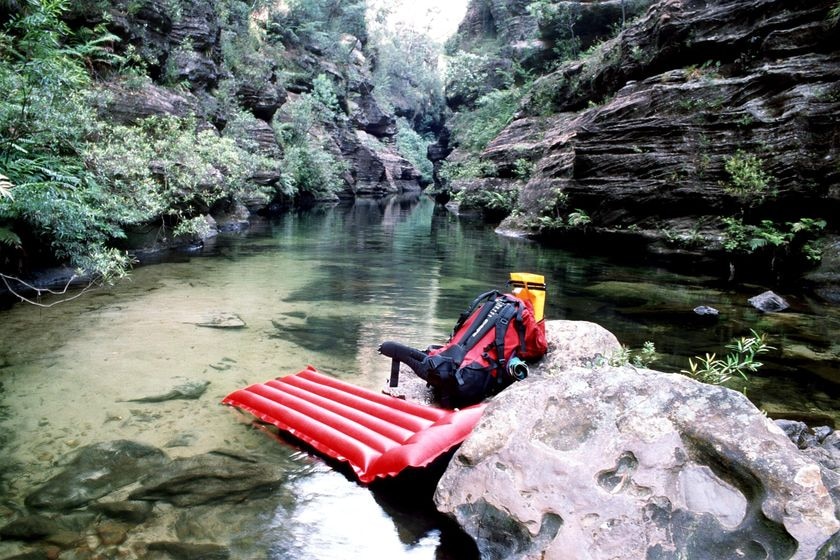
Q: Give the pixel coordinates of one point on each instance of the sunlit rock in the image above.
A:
(190, 390)
(221, 320)
(627, 463)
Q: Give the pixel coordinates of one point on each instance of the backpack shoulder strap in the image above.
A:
(486, 296)
(510, 311)
(484, 321)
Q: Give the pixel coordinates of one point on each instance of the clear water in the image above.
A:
(326, 287)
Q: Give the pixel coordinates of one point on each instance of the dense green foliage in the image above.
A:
(406, 76)
(192, 170)
(44, 123)
(71, 185)
(474, 129)
(413, 147)
(308, 166)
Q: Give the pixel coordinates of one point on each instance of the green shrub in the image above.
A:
(494, 204)
(470, 168)
(310, 169)
(323, 91)
(413, 147)
(44, 120)
(749, 238)
(748, 181)
(474, 129)
(466, 74)
(717, 371)
(307, 166)
(166, 170)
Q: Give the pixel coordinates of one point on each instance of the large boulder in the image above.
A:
(262, 97)
(625, 463)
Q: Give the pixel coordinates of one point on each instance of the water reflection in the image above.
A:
(326, 287)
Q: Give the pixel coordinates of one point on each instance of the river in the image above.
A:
(325, 287)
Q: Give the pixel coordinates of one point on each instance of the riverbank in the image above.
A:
(326, 287)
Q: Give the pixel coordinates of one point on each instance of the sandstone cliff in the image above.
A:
(647, 140)
(197, 67)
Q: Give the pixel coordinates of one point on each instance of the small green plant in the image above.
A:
(748, 238)
(834, 15)
(470, 168)
(522, 169)
(578, 219)
(641, 358)
(740, 361)
(748, 181)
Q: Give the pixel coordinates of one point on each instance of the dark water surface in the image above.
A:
(325, 287)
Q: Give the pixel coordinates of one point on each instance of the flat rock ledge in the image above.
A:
(598, 462)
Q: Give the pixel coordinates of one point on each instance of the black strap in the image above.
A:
(520, 328)
(529, 285)
(509, 312)
(472, 307)
(395, 373)
(484, 321)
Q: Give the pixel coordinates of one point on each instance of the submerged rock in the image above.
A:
(705, 310)
(37, 527)
(187, 551)
(210, 478)
(190, 390)
(769, 302)
(625, 463)
(222, 320)
(96, 471)
(129, 511)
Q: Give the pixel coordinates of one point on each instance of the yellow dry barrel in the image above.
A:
(531, 287)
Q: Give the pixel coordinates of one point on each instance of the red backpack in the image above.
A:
(487, 349)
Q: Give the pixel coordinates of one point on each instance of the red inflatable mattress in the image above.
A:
(378, 435)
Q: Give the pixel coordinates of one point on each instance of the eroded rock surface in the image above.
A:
(625, 463)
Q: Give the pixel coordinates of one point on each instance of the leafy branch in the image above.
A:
(717, 371)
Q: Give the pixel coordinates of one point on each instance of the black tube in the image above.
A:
(413, 358)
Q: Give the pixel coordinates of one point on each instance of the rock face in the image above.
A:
(638, 134)
(129, 105)
(625, 463)
(826, 278)
(190, 75)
